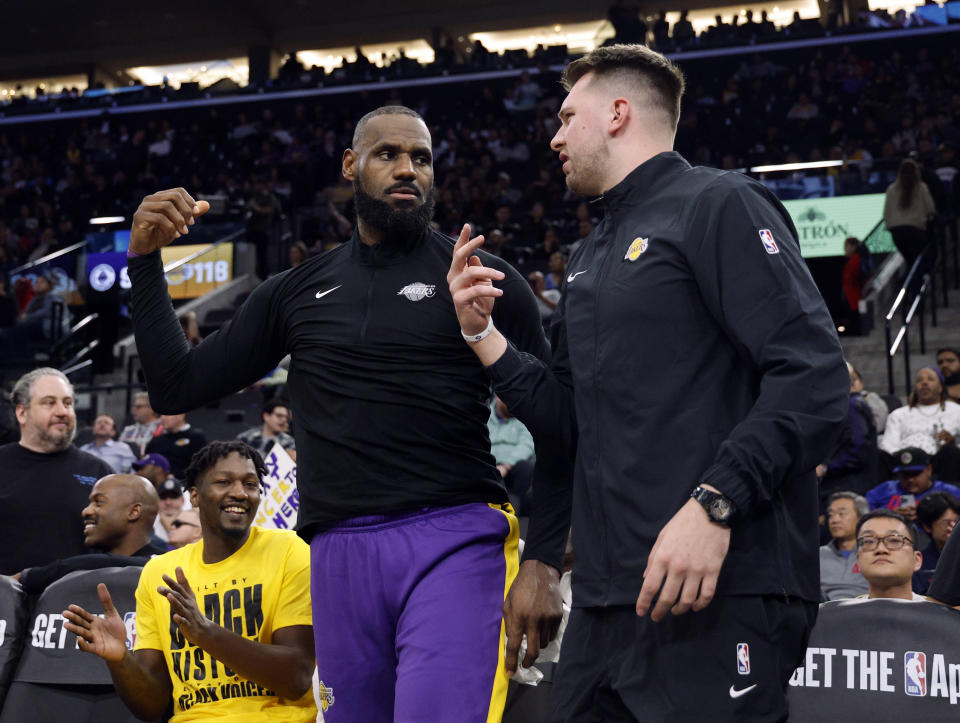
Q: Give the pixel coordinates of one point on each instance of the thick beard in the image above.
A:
(58, 442)
(400, 226)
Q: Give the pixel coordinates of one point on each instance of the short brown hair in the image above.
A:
(654, 73)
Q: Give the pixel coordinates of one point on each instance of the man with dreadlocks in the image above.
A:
(223, 624)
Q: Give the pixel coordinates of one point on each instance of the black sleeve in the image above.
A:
(180, 377)
(517, 315)
(945, 587)
(769, 307)
(36, 579)
(541, 396)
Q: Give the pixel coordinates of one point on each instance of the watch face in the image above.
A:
(720, 509)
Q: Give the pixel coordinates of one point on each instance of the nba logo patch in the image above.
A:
(768, 243)
(130, 623)
(915, 673)
(743, 659)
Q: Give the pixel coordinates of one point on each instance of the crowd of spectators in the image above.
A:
(276, 165)
(901, 459)
(629, 22)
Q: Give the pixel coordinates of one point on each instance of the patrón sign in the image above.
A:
(823, 224)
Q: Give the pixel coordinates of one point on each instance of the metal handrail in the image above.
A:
(916, 304)
(77, 367)
(197, 254)
(49, 257)
(906, 283)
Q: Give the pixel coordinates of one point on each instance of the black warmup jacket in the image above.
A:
(390, 403)
(692, 346)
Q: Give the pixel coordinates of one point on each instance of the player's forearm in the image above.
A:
(141, 692)
(281, 668)
(551, 509)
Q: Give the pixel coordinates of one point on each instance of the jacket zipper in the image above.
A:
(601, 253)
(367, 307)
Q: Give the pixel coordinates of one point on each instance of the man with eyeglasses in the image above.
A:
(887, 554)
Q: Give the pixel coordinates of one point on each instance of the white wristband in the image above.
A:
(474, 338)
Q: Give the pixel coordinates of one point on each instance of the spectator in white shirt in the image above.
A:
(929, 421)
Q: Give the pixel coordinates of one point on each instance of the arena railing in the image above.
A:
(916, 305)
(53, 255)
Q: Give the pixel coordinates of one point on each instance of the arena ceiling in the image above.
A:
(62, 37)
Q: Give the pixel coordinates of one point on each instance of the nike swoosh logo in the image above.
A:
(571, 277)
(734, 693)
(324, 293)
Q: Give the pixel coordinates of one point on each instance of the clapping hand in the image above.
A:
(183, 603)
(103, 636)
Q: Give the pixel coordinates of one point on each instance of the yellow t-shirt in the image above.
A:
(262, 587)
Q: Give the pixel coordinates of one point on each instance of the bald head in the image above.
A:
(121, 513)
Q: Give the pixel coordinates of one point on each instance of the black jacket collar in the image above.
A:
(640, 180)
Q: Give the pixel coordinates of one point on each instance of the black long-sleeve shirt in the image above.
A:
(694, 348)
(390, 403)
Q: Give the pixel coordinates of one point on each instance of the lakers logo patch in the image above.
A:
(325, 696)
(417, 291)
(638, 246)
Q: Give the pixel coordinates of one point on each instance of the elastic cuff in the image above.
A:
(730, 485)
(541, 555)
(504, 368)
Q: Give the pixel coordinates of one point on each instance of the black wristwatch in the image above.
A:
(720, 509)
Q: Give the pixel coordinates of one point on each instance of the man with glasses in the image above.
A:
(888, 555)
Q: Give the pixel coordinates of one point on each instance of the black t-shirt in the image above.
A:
(178, 448)
(41, 497)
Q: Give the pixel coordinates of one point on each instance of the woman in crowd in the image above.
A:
(907, 209)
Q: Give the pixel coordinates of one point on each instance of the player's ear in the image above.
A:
(349, 166)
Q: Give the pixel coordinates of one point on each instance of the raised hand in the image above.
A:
(106, 636)
(183, 603)
(471, 284)
(163, 217)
